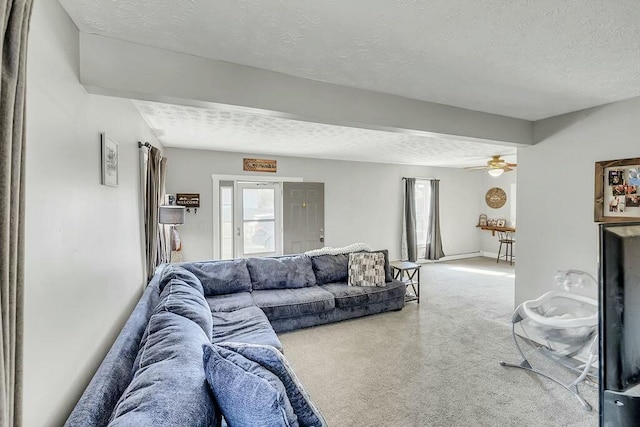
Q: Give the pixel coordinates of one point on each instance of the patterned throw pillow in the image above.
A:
(366, 269)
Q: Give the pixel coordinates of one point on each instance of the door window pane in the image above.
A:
(259, 237)
(258, 203)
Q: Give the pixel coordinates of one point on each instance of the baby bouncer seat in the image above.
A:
(566, 325)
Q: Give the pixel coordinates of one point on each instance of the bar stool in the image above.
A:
(507, 240)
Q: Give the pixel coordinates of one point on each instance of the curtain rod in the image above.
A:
(146, 144)
(425, 179)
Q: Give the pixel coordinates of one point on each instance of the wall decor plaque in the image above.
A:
(188, 200)
(495, 198)
(259, 165)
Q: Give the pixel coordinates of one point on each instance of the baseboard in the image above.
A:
(451, 257)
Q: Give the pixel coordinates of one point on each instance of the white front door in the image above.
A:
(258, 219)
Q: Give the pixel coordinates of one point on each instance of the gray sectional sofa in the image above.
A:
(154, 373)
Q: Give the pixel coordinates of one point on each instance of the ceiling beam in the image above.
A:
(124, 69)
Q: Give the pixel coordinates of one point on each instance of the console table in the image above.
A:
(408, 273)
(493, 229)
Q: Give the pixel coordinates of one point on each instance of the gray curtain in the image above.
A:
(409, 244)
(434, 240)
(156, 248)
(14, 18)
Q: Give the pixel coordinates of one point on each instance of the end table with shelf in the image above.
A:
(408, 273)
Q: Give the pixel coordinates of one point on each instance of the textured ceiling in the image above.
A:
(228, 130)
(529, 59)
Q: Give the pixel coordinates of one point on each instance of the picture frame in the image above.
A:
(109, 161)
(617, 190)
(482, 220)
(501, 223)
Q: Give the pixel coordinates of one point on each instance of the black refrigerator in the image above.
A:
(619, 302)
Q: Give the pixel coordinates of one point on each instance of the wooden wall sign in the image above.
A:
(188, 200)
(259, 165)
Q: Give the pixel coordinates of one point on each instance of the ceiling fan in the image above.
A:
(496, 166)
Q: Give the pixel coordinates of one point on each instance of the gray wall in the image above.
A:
(556, 191)
(488, 243)
(362, 200)
(84, 259)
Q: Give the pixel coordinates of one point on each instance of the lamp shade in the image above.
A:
(171, 215)
(496, 172)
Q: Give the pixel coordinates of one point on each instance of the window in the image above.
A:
(226, 220)
(423, 196)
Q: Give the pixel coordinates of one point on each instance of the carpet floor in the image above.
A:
(435, 363)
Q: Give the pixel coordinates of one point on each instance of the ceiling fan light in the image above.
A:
(495, 172)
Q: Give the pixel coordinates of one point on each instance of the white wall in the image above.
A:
(556, 191)
(362, 200)
(84, 262)
(488, 243)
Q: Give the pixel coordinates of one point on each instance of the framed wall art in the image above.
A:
(109, 161)
(617, 190)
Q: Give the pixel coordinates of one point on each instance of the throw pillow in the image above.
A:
(272, 359)
(247, 393)
(366, 269)
(388, 275)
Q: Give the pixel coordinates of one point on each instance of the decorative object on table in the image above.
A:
(259, 165)
(496, 166)
(617, 194)
(482, 221)
(495, 198)
(109, 161)
(501, 222)
(189, 201)
(568, 325)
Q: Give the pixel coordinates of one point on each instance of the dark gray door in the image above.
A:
(303, 219)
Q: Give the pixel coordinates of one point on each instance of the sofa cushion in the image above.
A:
(230, 302)
(171, 373)
(273, 360)
(366, 269)
(247, 325)
(221, 277)
(181, 298)
(281, 273)
(330, 268)
(171, 272)
(350, 296)
(247, 393)
(282, 303)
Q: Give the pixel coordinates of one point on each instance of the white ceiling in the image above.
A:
(528, 59)
(236, 131)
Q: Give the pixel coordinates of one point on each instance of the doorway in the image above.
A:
(266, 216)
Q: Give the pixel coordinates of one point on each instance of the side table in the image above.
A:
(408, 273)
